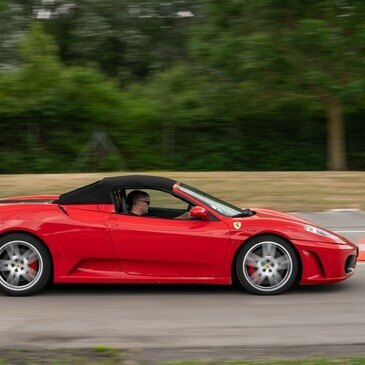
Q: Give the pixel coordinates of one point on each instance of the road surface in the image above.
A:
(167, 322)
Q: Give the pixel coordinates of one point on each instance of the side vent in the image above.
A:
(350, 264)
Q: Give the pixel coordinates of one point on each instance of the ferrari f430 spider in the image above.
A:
(91, 235)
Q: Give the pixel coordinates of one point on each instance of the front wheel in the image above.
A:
(25, 265)
(267, 265)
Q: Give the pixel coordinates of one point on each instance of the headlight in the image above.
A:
(319, 231)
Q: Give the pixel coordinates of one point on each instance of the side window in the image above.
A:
(162, 199)
(160, 204)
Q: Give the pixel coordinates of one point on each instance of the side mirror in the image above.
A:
(199, 212)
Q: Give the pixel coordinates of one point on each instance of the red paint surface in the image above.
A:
(92, 244)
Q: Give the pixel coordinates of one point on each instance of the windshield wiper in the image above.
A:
(244, 213)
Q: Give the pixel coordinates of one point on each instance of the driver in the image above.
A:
(138, 202)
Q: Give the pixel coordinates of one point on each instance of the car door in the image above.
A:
(79, 238)
(156, 246)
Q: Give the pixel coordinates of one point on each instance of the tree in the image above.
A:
(129, 40)
(312, 48)
(48, 111)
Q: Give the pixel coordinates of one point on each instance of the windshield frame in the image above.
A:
(217, 205)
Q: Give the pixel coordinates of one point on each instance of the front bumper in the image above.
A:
(326, 262)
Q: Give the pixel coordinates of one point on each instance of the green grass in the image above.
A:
(341, 361)
(102, 349)
(98, 355)
(112, 356)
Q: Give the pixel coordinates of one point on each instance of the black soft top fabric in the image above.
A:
(101, 191)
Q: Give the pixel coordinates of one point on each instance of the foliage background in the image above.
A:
(181, 85)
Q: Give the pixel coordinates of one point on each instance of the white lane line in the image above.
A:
(344, 210)
(349, 231)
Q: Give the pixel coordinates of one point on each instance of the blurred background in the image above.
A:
(89, 85)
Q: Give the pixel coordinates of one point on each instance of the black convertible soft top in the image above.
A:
(101, 192)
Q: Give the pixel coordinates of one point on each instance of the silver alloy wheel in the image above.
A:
(267, 266)
(21, 265)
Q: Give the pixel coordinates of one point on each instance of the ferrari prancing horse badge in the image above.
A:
(237, 225)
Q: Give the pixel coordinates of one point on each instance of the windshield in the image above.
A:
(218, 205)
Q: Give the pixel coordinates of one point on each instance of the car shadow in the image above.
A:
(138, 289)
(184, 289)
(346, 286)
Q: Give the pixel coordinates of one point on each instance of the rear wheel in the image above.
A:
(25, 265)
(267, 265)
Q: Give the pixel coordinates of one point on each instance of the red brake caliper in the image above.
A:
(34, 265)
(251, 268)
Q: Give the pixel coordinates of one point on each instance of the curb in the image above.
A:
(361, 245)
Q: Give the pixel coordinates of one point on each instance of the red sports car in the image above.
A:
(91, 235)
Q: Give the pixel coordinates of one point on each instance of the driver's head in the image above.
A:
(138, 202)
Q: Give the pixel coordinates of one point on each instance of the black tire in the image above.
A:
(267, 265)
(25, 265)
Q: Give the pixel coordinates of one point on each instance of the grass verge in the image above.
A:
(284, 191)
(116, 357)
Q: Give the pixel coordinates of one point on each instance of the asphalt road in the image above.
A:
(189, 320)
(167, 322)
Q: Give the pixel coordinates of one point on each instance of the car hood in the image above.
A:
(280, 223)
(272, 214)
